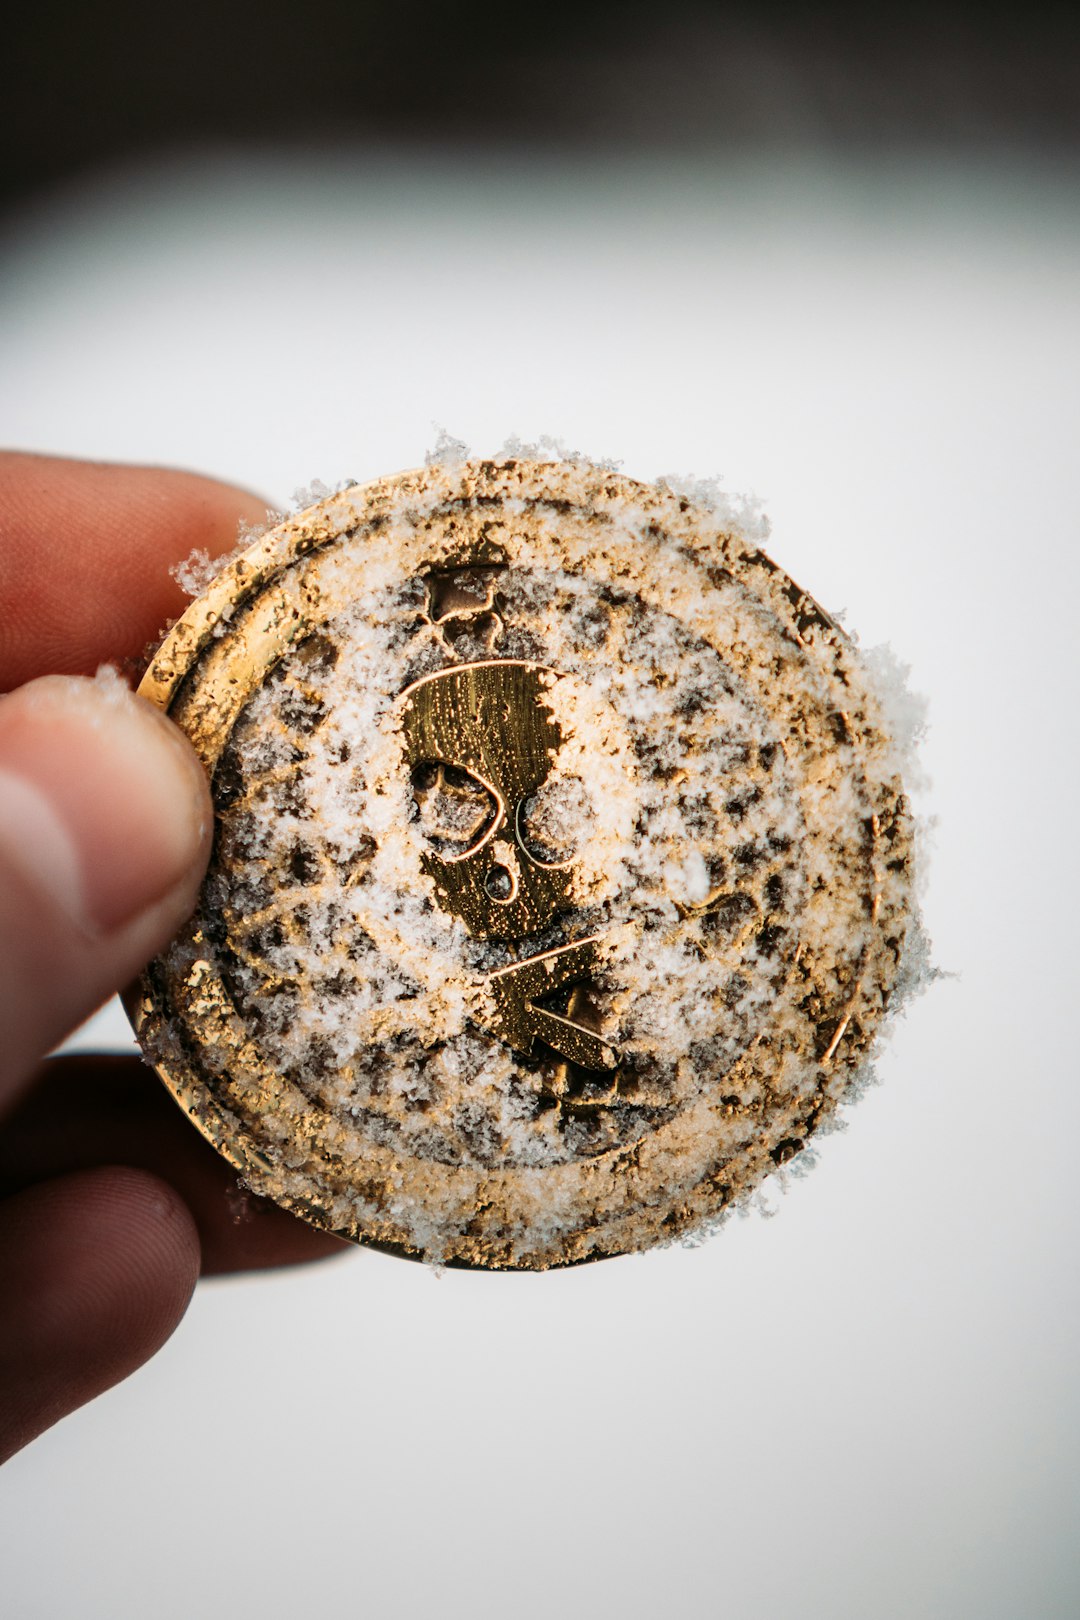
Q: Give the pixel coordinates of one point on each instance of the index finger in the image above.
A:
(85, 554)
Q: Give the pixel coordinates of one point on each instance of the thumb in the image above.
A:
(105, 826)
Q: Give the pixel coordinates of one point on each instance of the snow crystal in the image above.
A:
(446, 451)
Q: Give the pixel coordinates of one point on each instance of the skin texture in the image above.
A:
(111, 1205)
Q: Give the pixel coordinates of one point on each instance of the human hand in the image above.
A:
(110, 1203)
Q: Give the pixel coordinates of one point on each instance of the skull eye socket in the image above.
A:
(552, 823)
(456, 809)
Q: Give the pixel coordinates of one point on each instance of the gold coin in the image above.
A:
(561, 868)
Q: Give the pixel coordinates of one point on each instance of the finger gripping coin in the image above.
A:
(561, 870)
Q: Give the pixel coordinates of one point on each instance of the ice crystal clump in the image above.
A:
(743, 514)
(446, 451)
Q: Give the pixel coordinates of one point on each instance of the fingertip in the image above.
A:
(97, 1109)
(243, 1232)
(123, 782)
(73, 530)
(96, 1272)
(105, 831)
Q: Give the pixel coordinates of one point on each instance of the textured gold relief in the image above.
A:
(561, 867)
(519, 1017)
(489, 720)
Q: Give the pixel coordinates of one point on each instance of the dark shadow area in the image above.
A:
(118, 81)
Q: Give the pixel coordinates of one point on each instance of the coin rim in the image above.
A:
(246, 577)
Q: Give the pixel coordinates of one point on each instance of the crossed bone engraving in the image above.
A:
(515, 1017)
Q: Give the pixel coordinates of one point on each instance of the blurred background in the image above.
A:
(833, 255)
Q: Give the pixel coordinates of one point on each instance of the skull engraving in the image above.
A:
(490, 720)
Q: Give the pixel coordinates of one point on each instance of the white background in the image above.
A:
(866, 1406)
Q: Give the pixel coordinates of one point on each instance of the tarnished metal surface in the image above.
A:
(561, 870)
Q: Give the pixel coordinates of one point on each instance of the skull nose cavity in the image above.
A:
(500, 883)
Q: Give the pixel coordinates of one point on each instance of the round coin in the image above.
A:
(561, 869)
